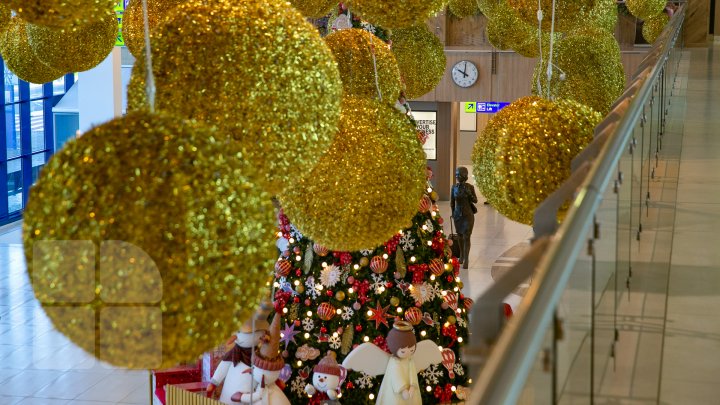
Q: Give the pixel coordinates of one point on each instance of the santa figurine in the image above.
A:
(267, 364)
(327, 377)
(233, 369)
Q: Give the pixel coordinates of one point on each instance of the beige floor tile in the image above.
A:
(675, 392)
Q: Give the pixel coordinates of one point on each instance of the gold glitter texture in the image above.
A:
(604, 15)
(524, 153)
(506, 31)
(591, 61)
(179, 238)
(133, 29)
(654, 26)
(421, 58)
(61, 13)
(463, 8)
(20, 58)
(353, 50)
(368, 184)
(390, 14)
(5, 16)
(644, 9)
(256, 70)
(314, 8)
(76, 48)
(568, 13)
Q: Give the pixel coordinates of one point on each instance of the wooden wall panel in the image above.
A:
(697, 23)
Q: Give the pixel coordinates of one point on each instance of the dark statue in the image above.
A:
(462, 205)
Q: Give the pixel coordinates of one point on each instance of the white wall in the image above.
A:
(100, 92)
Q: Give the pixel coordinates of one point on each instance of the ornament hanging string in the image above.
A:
(550, 57)
(149, 77)
(377, 82)
(540, 47)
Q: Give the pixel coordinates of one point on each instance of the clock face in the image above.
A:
(464, 73)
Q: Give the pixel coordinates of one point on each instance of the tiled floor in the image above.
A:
(691, 350)
(39, 366)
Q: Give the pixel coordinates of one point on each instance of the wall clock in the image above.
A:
(464, 73)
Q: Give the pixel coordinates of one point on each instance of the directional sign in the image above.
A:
(469, 107)
(489, 107)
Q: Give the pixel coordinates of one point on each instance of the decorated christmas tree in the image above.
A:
(334, 301)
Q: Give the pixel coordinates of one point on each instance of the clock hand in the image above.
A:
(463, 72)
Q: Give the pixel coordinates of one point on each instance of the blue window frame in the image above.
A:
(26, 141)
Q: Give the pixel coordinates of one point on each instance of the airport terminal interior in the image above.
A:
(391, 202)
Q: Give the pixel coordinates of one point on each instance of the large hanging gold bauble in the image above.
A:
(654, 26)
(594, 72)
(506, 31)
(421, 58)
(604, 15)
(75, 48)
(149, 223)
(61, 13)
(463, 8)
(644, 9)
(359, 56)
(5, 17)
(366, 186)
(388, 14)
(133, 29)
(20, 58)
(569, 14)
(314, 8)
(256, 70)
(524, 154)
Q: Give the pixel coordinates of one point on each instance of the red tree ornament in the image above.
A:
(282, 268)
(326, 311)
(378, 265)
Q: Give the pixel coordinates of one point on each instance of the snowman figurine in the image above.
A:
(327, 377)
(234, 367)
(267, 365)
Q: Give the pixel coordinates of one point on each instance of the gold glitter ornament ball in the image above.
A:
(368, 184)
(604, 15)
(568, 13)
(391, 14)
(76, 48)
(354, 50)
(256, 70)
(654, 26)
(644, 9)
(314, 8)
(20, 58)
(5, 16)
(463, 8)
(524, 154)
(594, 71)
(421, 58)
(182, 239)
(61, 13)
(133, 29)
(506, 31)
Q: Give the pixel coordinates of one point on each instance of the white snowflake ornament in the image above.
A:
(432, 375)
(308, 324)
(330, 275)
(407, 242)
(347, 313)
(334, 342)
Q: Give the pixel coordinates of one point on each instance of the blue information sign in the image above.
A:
(489, 107)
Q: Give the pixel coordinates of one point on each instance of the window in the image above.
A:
(27, 139)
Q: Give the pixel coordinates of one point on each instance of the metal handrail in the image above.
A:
(503, 376)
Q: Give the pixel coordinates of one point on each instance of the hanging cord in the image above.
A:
(550, 57)
(372, 50)
(149, 77)
(540, 47)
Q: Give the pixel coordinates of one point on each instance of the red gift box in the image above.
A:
(175, 375)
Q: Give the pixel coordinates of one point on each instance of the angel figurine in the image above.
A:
(401, 366)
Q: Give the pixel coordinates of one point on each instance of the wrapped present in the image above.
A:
(175, 375)
(178, 396)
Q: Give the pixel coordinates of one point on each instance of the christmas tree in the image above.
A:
(334, 301)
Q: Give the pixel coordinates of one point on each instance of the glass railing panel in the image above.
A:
(538, 387)
(606, 286)
(574, 349)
